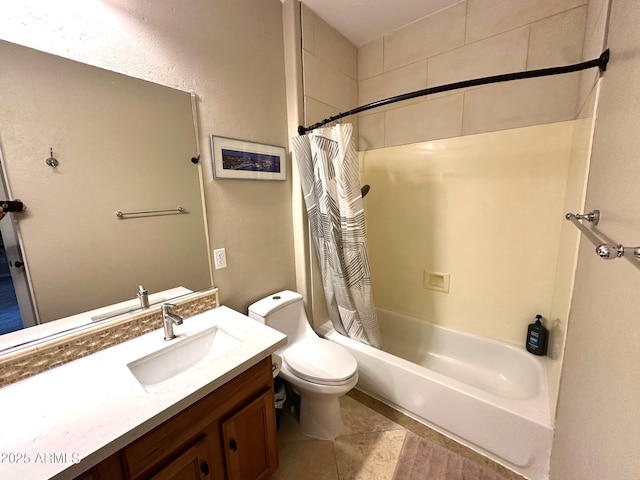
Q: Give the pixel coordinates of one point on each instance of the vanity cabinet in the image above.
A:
(230, 434)
(111, 468)
(192, 464)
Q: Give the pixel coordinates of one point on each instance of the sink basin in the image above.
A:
(182, 355)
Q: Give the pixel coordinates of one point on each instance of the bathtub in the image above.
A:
(488, 395)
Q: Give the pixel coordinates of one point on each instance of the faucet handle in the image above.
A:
(167, 307)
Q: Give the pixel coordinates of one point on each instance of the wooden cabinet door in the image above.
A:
(249, 439)
(108, 469)
(192, 464)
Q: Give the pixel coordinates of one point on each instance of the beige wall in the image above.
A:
(469, 40)
(231, 55)
(486, 209)
(598, 422)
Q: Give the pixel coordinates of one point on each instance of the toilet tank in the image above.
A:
(283, 311)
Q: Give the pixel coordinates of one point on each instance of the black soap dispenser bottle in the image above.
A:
(537, 337)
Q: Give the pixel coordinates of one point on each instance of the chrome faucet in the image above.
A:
(169, 319)
(143, 296)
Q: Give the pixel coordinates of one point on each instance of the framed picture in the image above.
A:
(247, 160)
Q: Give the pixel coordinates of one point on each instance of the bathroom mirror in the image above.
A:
(121, 144)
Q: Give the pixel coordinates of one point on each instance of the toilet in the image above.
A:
(318, 370)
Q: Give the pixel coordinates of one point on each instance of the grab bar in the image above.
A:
(606, 251)
(170, 211)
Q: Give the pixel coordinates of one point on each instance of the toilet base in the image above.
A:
(321, 418)
(319, 415)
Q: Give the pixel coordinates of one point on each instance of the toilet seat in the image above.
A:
(320, 361)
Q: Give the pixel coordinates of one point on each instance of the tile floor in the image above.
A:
(378, 443)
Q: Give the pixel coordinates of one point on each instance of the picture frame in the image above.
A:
(240, 159)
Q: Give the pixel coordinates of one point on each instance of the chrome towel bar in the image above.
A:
(139, 213)
(604, 250)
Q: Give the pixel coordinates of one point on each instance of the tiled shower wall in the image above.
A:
(330, 70)
(472, 39)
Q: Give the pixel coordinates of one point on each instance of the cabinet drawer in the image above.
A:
(108, 469)
(192, 464)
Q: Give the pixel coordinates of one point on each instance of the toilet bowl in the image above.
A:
(318, 370)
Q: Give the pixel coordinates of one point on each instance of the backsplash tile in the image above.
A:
(53, 353)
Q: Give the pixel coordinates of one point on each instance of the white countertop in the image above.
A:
(88, 409)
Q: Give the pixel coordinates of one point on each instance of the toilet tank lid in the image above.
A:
(274, 302)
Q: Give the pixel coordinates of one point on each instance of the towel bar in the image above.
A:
(606, 251)
(170, 211)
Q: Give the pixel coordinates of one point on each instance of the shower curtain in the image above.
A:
(330, 179)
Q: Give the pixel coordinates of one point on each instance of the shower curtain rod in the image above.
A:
(600, 62)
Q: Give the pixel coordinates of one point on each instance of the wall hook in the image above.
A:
(52, 162)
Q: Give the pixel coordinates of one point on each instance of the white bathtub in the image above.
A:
(486, 394)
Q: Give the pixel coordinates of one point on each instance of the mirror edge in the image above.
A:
(90, 327)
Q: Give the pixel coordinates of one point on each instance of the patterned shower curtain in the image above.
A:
(330, 178)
